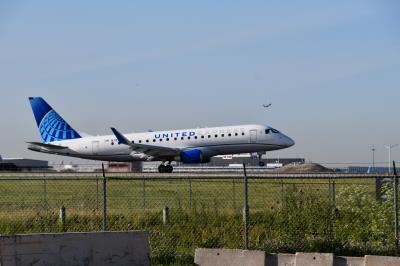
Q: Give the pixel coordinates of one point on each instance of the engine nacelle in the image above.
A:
(139, 156)
(193, 156)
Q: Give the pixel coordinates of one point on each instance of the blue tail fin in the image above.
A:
(52, 127)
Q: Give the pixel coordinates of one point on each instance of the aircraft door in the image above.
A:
(253, 136)
(95, 147)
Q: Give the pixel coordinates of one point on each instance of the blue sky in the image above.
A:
(330, 68)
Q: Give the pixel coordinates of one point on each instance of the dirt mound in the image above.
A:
(304, 168)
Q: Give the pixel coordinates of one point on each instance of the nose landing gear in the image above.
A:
(260, 163)
(165, 168)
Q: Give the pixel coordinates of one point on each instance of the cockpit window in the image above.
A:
(269, 130)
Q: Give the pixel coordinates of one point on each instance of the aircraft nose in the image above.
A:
(288, 141)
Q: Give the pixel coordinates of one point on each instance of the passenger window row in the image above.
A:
(195, 137)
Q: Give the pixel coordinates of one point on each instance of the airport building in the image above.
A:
(250, 160)
(366, 170)
(21, 164)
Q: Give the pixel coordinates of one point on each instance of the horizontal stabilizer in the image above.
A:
(48, 146)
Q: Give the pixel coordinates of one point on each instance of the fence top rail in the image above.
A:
(49, 178)
(222, 178)
(189, 175)
(194, 179)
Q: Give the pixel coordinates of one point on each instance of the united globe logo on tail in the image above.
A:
(52, 126)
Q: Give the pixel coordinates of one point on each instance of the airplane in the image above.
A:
(190, 146)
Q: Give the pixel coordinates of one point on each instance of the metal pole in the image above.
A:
(396, 208)
(165, 215)
(246, 210)
(330, 191)
(104, 198)
(97, 193)
(62, 217)
(390, 147)
(334, 194)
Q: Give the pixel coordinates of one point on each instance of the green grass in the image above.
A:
(285, 215)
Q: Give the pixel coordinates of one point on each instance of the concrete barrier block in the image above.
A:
(349, 261)
(314, 259)
(102, 248)
(381, 261)
(228, 257)
(280, 260)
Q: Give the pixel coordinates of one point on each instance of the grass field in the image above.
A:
(286, 215)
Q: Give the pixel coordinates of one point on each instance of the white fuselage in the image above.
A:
(211, 141)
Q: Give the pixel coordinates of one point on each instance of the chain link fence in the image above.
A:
(346, 216)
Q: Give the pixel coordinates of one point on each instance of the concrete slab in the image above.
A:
(349, 261)
(281, 259)
(381, 261)
(314, 259)
(228, 257)
(102, 248)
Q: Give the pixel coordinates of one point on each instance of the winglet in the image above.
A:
(121, 138)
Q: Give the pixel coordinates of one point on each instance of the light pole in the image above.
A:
(390, 147)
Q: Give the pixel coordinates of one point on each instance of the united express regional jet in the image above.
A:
(189, 146)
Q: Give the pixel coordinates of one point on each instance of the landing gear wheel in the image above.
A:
(261, 163)
(162, 168)
(165, 168)
(169, 168)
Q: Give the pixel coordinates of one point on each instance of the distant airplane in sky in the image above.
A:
(268, 105)
(186, 145)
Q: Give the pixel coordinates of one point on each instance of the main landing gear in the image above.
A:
(165, 168)
(260, 163)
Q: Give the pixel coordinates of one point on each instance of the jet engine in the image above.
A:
(193, 156)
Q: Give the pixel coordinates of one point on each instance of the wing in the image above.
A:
(151, 150)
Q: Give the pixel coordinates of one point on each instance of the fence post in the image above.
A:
(62, 217)
(190, 194)
(166, 215)
(97, 193)
(396, 208)
(330, 190)
(378, 188)
(104, 198)
(334, 194)
(246, 210)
